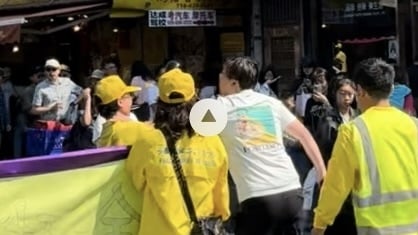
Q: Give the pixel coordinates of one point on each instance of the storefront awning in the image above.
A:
(129, 8)
(367, 40)
(25, 4)
(10, 25)
(172, 5)
(19, 19)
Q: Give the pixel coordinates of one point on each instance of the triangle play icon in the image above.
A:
(208, 117)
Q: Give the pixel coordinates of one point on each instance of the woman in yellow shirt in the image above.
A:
(203, 159)
(114, 100)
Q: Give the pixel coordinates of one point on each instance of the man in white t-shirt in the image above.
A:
(267, 182)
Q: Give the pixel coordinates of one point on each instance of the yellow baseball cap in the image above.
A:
(176, 81)
(112, 88)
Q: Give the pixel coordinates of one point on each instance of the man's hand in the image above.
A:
(270, 81)
(317, 231)
(320, 175)
(54, 106)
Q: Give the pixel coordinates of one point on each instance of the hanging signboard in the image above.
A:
(393, 49)
(181, 18)
(352, 12)
(175, 4)
(361, 9)
(389, 3)
(232, 44)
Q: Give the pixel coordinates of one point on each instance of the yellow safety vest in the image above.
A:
(382, 212)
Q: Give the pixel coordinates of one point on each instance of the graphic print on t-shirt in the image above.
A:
(255, 128)
(187, 155)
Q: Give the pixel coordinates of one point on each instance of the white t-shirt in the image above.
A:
(142, 95)
(98, 125)
(152, 93)
(152, 97)
(302, 96)
(253, 137)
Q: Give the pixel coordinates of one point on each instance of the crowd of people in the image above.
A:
(321, 154)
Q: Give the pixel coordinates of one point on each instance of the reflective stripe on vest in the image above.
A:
(377, 197)
(398, 229)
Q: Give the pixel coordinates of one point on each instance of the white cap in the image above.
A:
(53, 63)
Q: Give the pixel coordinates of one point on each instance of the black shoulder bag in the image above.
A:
(201, 226)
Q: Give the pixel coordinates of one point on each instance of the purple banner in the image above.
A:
(60, 162)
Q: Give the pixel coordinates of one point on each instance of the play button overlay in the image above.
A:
(208, 117)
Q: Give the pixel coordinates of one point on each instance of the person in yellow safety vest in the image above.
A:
(340, 59)
(375, 157)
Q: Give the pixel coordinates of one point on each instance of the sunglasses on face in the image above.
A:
(50, 69)
(128, 95)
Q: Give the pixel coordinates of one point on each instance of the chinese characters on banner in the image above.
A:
(181, 18)
(361, 9)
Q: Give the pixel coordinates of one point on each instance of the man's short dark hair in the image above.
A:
(375, 76)
(242, 69)
(106, 110)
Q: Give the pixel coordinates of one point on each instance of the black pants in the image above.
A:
(270, 215)
(345, 222)
(230, 224)
(6, 145)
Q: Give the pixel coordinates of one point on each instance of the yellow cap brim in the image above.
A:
(130, 89)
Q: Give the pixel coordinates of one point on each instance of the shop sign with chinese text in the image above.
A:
(361, 9)
(181, 18)
(176, 4)
(351, 12)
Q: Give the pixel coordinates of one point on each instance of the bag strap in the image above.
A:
(180, 175)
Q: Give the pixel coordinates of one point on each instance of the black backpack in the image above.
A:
(326, 132)
(79, 138)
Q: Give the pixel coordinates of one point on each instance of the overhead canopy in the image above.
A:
(10, 26)
(19, 3)
(131, 8)
(9, 20)
(23, 4)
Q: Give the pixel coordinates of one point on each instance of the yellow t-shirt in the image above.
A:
(122, 133)
(343, 58)
(205, 166)
(344, 173)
